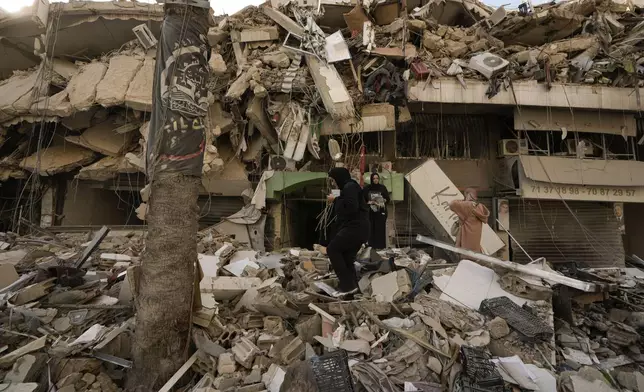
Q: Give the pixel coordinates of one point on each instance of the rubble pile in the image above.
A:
(282, 76)
(419, 324)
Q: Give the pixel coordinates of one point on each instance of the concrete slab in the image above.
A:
(112, 89)
(334, 93)
(8, 275)
(57, 159)
(527, 93)
(17, 94)
(57, 105)
(22, 387)
(82, 86)
(106, 169)
(139, 92)
(102, 138)
(26, 369)
(356, 346)
(391, 286)
(225, 287)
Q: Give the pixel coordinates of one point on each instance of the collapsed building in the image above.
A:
(536, 108)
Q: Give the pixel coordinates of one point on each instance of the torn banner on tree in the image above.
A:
(180, 95)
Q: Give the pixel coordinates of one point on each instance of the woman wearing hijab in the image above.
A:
(471, 216)
(352, 220)
(377, 196)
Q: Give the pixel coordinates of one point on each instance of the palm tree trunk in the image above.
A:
(174, 160)
(166, 284)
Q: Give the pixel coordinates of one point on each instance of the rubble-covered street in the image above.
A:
(419, 324)
(538, 108)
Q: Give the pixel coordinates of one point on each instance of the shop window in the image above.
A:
(579, 144)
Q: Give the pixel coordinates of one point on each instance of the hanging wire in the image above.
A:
(590, 237)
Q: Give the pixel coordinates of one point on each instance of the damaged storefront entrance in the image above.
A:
(572, 209)
(303, 222)
(587, 233)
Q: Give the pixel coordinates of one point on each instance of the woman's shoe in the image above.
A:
(344, 294)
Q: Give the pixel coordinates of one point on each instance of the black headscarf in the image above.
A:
(341, 176)
(376, 187)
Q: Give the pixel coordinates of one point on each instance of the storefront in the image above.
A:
(572, 210)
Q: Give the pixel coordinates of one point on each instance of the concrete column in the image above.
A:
(391, 227)
(277, 212)
(48, 208)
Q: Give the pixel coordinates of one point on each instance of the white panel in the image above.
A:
(527, 93)
(577, 171)
(436, 191)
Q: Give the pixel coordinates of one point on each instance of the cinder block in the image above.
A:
(293, 351)
(252, 320)
(273, 325)
(279, 345)
(253, 377)
(245, 352)
(309, 328)
(227, 364)
(226, 381)
(262, 362)
(205, 364)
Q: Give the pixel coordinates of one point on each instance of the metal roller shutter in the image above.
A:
(407, 226)
(214, 208)
(546, 228)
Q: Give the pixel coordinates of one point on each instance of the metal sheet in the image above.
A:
(553, 277)
(548, 229)
(213, 209)
(549, 119)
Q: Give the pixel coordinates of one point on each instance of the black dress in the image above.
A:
(377, 218)
(352, 222)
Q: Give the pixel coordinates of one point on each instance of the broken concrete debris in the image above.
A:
(395, 331)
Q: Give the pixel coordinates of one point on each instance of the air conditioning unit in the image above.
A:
(488, 64)
(511, 147)
(582, 149)
(279, 163)
(145, 36)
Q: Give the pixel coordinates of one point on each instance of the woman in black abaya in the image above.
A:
(377, 196)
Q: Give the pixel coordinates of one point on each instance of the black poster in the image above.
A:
(176, 142)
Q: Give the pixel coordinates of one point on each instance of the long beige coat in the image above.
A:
(471, 215)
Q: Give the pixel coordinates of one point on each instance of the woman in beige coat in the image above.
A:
(471, 215)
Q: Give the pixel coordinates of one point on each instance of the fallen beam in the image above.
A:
(287, 23)
(182, 370)
(32, 346)
(551, 276)
(98, 238)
